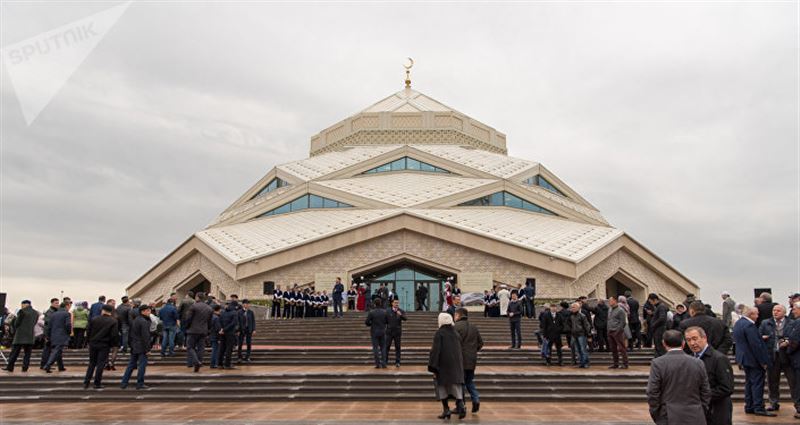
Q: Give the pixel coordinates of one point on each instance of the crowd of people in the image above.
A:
(195, 322)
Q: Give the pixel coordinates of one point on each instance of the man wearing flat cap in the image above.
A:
(23, 326)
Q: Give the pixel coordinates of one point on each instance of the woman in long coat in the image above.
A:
(447, 366)
(361, 298)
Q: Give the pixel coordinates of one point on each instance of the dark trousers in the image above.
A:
(616, 342)
(781, 364)
(215, 350)
(123, 336)
(529, 308)
(245, 337)
(276, 310)
(56, 356)
(720, 412)
(287, 311)
(469, 384)
(227, 350)
(195, 348)
(378, 348)
(392, 337)
(636, 335)
(79, 337)
(559, 352)
(26, 359)
(138, 361)
(516, 334)
(46, 348)
(658, 338)
(753, 388)
(97, 362)
(601, 341)
(337, 306)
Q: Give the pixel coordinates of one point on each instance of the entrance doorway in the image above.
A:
(405, 279)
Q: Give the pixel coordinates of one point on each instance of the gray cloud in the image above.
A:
(678, 121)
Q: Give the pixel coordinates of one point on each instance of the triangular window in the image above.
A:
(273, 184)
(543, 183)
(505, 199)
(406, 163)
(306, 202)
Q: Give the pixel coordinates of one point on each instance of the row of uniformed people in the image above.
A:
(295, 304)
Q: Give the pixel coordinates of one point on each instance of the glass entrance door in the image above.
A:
(405, 294)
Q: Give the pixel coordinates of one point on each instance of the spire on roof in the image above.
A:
(408, 72)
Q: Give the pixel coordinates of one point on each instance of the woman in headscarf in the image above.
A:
(447, 367)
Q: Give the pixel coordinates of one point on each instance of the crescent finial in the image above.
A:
(408, 72)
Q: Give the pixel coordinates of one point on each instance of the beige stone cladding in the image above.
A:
(182, 278)
(417, 247)
(643, 280)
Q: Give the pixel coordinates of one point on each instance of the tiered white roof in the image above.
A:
(556, 237)
(320, 165)
(405, 189)
(408, 100)
(496, 164)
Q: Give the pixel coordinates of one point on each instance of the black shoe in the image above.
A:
(397, 365)
(623, 366)
(213, 367)
(99, 387)
(85, 386)
(8, 370)
(476, 406)
(24, 369)
(142, 387)
(445, 414)
(461, 409)
(774, 407)
(62, 369)
(47, 370)
(123, 386)
(763, 413)
(377, 366)
(613, 366)
(196, 368)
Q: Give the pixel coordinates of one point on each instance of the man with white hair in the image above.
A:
(753, 357)
(773, 332)
(728, 305)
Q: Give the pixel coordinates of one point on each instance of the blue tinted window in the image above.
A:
(406, 163)
(304, 202)
(506, 199)
(272, 185)
(543, 183)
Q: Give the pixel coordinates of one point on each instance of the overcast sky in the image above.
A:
(678, 121)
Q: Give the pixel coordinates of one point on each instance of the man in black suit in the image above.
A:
(394, 331)
(139, 339)
(58, 331)
(551, 325)
(198, 324)
(765, 308)
(422, 297)
(229, 320)
(247, 326)
(102, 334)
(338, 290)
(716, 332)
(634, 322)
(753, 357)
(720, 376)
(658, 323)
(377, 320)
(514, 319)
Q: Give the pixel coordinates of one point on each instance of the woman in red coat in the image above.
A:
(361, 299)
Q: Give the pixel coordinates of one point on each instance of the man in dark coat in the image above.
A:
(377, 320)
(471, 343)
(394, 332)
(792, 345)
(681, 314)
(551, 325)
(102, 334)
(123, 320)
(765, 308)
(198, 323)
(752, 355)
(514, 312)
(338, 291)
(716, 332)
(54, 304)
(601, 324)
(447, 365)
(97, 308)
(720, 376)
(422, 297)
(677, 390)
(579, 331)
(773, 331)
(247, 326)
(169, 327)
(23, 326)
(216, 335)
(139, 339)
(229, 320)
(658, 322)
(634, 322)
(58, 334)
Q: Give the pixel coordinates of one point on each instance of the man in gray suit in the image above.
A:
(677, 391)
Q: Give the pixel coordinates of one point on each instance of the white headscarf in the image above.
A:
(445, 319)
